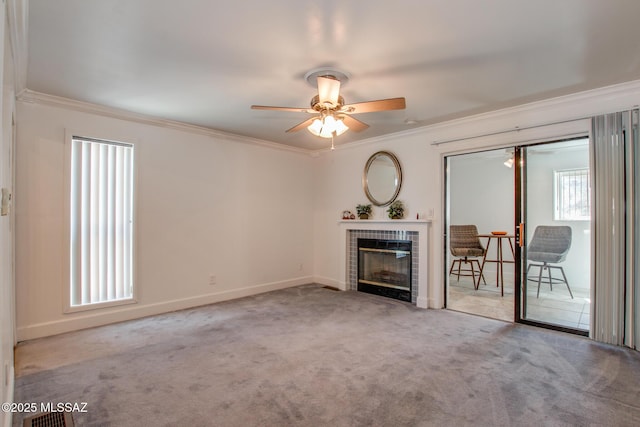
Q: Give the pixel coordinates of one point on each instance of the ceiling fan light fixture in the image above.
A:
(340, 127)
(327, 126)
(315, 127)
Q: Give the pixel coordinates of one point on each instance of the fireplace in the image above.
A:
(384, 268)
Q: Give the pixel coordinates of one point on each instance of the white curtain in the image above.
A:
(614, 244)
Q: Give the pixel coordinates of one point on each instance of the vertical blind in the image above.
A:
(614, 245)
(632, 318)
(101, 221)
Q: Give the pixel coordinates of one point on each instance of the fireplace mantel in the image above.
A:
(386, 221)
(421, 226)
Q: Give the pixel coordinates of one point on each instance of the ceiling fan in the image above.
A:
(332, 116)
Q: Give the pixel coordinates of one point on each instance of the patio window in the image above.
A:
(572, 201)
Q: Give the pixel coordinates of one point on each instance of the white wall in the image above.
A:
(482, 191)
(206, 205)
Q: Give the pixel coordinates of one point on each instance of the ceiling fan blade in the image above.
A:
(328, 90)
(354, 124)
(293, 109)
(302, 125)
(371, 106)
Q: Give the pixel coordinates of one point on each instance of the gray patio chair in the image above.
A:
(465, 245)
(549, 245)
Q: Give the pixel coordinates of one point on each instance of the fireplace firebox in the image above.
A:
(384, 268)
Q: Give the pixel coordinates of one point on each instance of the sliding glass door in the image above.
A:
(479, 212)
(529, 210)
(553, 224)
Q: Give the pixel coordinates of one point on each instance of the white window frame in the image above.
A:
(66, 250)
(558, 195)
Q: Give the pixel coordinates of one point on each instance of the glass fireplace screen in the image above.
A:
(384, 267)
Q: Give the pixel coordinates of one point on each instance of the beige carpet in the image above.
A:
(310, 356)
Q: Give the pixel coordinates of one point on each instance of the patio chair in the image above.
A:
(465, 246)
(549, 245)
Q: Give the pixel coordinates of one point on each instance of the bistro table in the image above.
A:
(500, 238)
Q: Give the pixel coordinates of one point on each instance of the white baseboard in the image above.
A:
(430, 303)
(85, 319)
(423, 302)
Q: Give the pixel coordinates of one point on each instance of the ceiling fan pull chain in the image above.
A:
(332, 135)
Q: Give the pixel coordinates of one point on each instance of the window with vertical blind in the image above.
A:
(101, 222)
(572, 195)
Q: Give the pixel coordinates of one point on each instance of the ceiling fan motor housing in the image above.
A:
(316, 105)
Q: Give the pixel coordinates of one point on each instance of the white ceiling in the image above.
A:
(206, 62)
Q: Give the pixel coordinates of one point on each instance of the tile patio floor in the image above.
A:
(555, 307)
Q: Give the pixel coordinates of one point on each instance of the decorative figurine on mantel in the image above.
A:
(348, 215)
(363, 211)
(396, 210)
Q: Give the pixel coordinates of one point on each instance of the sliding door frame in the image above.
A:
(520, 206)
(518, 210)
(520, 224)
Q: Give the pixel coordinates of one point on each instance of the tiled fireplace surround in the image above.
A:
(352, 249)
(415, 231)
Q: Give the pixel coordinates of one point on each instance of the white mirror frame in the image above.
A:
(397, 184)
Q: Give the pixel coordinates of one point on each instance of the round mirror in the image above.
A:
(382, 178)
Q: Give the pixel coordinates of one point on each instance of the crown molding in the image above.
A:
(32, 97)
(572, 107)
(562, 109)
(376, 139)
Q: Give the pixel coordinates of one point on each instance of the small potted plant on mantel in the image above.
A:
(363, 211)
(396, 210)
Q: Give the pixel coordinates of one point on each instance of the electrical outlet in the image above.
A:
(212, 280)
(5, 203)
(301, 267)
